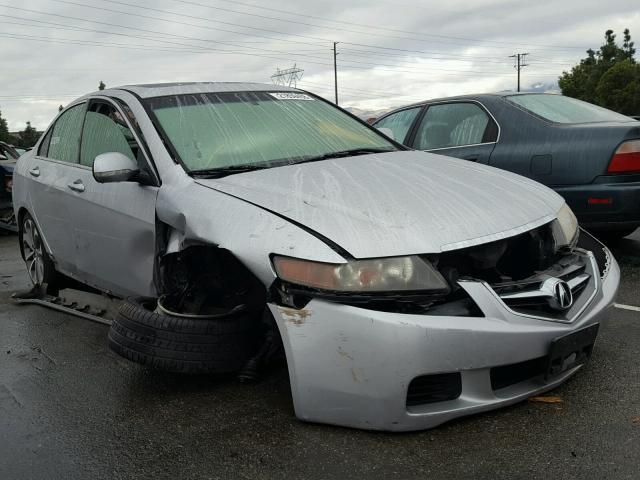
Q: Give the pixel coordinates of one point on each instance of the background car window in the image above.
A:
(8, 152)
(451, 125)
(64, 143)
(399, 122)
(106, 131)
(557, 108)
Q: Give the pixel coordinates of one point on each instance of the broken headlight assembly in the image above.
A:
(395, 284)
(565, 228)
(395, 274)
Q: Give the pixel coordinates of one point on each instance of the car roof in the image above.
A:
(480, 97)
(178, 88)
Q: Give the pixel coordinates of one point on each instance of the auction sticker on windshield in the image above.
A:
(290, 96)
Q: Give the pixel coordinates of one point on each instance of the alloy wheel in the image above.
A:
(33, 251)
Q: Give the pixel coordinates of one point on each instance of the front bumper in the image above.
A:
(351, 366)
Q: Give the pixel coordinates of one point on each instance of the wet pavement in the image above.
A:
(70, 408)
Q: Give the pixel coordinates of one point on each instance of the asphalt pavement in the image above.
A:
(70, 408)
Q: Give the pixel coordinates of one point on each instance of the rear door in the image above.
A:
(48, 174)
(462, 129)
(113, 223)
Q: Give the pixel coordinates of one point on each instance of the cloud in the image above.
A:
(390, 53)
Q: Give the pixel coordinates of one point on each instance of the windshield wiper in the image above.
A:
(345, 153)
(233, 169)
(224, 171)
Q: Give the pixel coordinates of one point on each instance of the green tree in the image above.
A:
(28, 137)
(4, 130)
(101, 85)
(583, 80)
(619, 88)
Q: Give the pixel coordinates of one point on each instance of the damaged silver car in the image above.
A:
(405, 288)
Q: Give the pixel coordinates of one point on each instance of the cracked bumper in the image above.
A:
(352, 367)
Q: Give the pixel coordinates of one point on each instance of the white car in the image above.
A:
(407, 288)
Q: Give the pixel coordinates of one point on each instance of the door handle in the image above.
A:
(471, 159)
(77, 186)
(35, 172)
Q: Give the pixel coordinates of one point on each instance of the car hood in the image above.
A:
(398, 203)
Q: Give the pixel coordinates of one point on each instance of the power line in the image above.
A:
(95, 7)
(325, 40)
(349, 64)
(198, 26)
(377, 28)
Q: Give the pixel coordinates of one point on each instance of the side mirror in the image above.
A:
(388, 132)
(3, 157)
(114, 167)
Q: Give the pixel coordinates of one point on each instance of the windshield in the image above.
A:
(560, 109)
(225, 130)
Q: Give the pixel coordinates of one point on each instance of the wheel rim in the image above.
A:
(33, 251)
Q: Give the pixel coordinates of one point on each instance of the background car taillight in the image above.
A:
(626, 158)
(8, 184)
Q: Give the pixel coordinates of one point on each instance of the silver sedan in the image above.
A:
(406, 288)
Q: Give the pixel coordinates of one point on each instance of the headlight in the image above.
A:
(566, 227)
(373, 275)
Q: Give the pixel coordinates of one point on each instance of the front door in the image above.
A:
(114, 223)
(458, 129)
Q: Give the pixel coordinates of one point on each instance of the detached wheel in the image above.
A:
(39, 265)
(210, 344)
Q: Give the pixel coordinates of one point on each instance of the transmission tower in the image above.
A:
(288, 77)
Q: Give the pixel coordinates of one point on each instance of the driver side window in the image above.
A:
(105, 130)
(399, 123)
(450, 125)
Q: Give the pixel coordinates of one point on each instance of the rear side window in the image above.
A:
(399, 123)
(64, 144)
(105, 130)
(454, 125)
(560, 109)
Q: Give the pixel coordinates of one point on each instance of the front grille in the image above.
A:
(434, 388)
(588, 242)
(527, 296)
(507, 375)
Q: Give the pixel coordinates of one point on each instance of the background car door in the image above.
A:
(459, 129)
(399, 123)
(49, 173)
(114, 223)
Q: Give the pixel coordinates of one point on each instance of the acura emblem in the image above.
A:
(559, 293)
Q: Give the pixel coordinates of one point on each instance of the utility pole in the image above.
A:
(288, 77)
(519, 64)
(335, 70)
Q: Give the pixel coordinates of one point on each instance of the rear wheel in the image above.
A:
(39, 265)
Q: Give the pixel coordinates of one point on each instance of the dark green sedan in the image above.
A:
(588, 154)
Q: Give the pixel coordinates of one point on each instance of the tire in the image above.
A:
(182, 345)
(40, 267)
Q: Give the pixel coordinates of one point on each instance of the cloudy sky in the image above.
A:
(390, 52)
